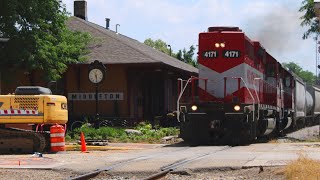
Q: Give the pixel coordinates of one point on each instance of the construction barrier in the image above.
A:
(83, 143)
(57, 138)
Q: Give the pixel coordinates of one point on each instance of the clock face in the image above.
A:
(95, 75)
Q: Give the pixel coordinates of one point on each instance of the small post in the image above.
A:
(97, 102)
(170, 48)
(117, 28)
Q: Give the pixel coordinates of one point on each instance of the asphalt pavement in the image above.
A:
(137, 158)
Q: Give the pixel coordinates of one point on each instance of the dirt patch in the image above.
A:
(257, 173)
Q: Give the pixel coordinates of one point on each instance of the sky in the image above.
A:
(275, 23)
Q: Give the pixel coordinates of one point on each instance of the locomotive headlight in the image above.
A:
(236, 107)
(222, 45)
(194, 108)
(217, 45)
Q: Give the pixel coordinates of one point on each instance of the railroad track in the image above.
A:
(169, 168)
(108, 168)
(162, 171)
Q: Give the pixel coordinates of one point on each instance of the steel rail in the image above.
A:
(108, 168)
(98, 171)
(172, 167)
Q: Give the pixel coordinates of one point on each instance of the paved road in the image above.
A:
(153, 157)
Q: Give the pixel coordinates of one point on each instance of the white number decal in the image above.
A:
(210, 54)
(231, 54)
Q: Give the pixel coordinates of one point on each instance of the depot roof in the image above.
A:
(110, 47)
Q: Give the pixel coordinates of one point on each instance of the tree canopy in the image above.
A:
(38, 37)
(158, 44)
(309, 18)
(187, 56)
(307, 76)
(182, 55)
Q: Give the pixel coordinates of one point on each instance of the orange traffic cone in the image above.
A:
(83, 143)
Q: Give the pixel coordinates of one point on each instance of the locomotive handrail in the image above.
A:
(253, 118)
(254, 100)
(180, 95)
(183, 89)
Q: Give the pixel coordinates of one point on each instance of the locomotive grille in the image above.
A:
(26, 102)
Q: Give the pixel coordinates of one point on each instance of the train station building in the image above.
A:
(140, 82)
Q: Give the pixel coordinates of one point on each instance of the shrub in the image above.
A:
(303, 168)
(119, 135)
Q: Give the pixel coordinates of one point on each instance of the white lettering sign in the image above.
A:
(92, 96)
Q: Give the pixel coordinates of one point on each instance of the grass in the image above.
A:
(148, 135)
(303, 168)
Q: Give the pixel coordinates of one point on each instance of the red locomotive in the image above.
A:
(242, 92)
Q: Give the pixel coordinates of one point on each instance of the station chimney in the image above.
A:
(107, 23)
(80, 9)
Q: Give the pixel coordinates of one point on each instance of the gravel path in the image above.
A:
(224, 174)
(275, 173)
(221, 174)
(305, 134)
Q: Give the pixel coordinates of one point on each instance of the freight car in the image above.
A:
(242, 93)
(29, 105)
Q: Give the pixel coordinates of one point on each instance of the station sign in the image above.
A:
(102, 96)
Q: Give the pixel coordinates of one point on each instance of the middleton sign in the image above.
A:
(92, 96)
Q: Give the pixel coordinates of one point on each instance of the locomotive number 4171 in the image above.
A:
(231, 54)
(210, 54)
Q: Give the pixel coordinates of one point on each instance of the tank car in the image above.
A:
(313, 111)
(242, 92)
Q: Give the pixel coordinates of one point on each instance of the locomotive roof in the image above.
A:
(224, 28)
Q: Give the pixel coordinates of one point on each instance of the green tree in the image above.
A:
(291, 66)
(38, 37)
(187, 56)
(159, 45)
(307, 76)
(182, 55)
(179, 55)
(309, 18)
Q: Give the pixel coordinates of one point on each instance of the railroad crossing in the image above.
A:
(150, 159)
